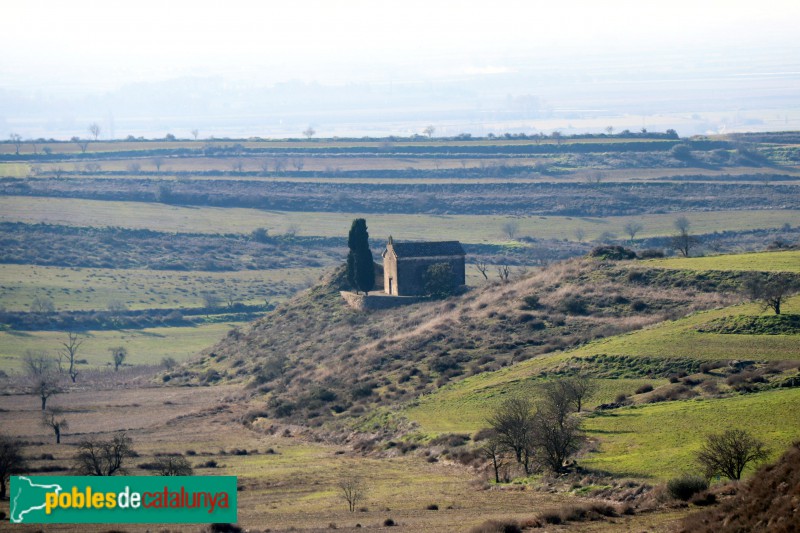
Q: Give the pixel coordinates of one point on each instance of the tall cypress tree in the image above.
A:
(360, 266)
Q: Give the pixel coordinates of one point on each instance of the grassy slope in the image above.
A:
(785, 261)
(680, 338)
(466, 228)
(463, 406)
(652, 440)
(659, 440)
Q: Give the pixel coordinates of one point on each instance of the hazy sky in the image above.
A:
(80, 44)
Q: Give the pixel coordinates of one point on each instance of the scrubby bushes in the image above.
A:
(684, 487)
(612, 253)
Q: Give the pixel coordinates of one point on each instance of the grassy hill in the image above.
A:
(435, 368)
(700, 382)
(315, 359)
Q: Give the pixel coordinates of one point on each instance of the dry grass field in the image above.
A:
(72, 288)
(116, 146)
(286, 482)
(466, 228)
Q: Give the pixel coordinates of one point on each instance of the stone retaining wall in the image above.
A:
(373, 302)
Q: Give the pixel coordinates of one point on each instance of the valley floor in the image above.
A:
(286, 482)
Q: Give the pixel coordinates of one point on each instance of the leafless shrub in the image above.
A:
(353, 490)
(103, 457)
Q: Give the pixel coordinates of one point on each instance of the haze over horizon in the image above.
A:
(379, 68)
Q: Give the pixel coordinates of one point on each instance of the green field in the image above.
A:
(659, 440)
(784, 261)
(145, 346)
(14, 170)
(466, 228)
(655, 440)
(94, 288)
(680, 338)
(464, 406)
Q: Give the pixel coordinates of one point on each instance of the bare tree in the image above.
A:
(298, 163)
(51, 418)
(210, 299)
(103, 457)
(730, 452)
(682, 224)
(42, 376)
(118, 356)
(556, 135)
(238, 166)
(512, 421)
(279, 163)
(158, 162)
(503, 272)
(353, 490)
(195, 132)
(292, 230)
(595, 177)
(83, 145)
(172, 465)
(510, 229)
(429, 131)
(11, 460)
(16, 140)
(610, 130)
(772, 291)
(231, 298)
(495, 451)
(309, 132)
(134, 167)
(58, 171)
(556, 429)
(42, 305)
(632, 228)
(68, 353)
(482, 268)
(683, 241)
(579, 388)
(94, 129)
(580, 235)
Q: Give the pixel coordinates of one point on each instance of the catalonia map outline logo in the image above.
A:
(123, 499)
